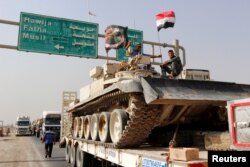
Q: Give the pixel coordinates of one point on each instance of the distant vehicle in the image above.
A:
(23, 126)
(51, 119)
(36, 127)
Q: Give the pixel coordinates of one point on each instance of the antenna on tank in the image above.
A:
(88, 9)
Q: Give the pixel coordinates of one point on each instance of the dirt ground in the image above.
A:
(28, 151)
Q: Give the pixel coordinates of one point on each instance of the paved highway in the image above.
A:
(28, 151)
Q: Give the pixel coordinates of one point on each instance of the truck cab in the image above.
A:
(22, 126)
(51, 120)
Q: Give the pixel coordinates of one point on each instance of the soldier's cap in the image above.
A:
(138, 44)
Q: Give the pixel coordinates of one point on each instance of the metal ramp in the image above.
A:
(68, 97)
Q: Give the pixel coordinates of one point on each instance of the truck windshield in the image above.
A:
(52, 121)
(23, 123)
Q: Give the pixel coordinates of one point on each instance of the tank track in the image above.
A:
(142, 118)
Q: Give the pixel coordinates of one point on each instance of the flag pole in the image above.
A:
(158, 36)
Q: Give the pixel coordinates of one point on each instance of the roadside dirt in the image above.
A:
(19, 152)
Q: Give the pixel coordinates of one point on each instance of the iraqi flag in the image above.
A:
(165, 20)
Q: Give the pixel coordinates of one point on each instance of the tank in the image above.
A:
(125, 106)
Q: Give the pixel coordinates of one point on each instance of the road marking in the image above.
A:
(37, 153)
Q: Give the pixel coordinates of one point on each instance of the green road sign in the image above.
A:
(53, 35)
(135, 36)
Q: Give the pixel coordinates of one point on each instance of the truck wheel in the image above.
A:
(118, 120)
(62, 143)
(79, 157)
(87, 127)
(76, 127)
(67, 153)
(73, 155)
(37, 134)
(81, 127)
(94, 127)
(104, 127)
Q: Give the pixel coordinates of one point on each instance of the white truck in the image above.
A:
(51, 120)
(22, 126)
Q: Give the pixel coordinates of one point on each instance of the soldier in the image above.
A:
(173, 66)
(132, 53)
(137, 51)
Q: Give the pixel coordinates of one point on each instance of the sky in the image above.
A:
(215, 35)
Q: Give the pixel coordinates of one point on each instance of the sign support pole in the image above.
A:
(101, 36)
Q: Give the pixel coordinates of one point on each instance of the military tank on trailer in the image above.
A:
(121, 107)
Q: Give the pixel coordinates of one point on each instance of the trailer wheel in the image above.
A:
(81, 129)
(67, 153)
(73, 155)
(94, 127)
(87, 127)
(79, 157)
(118, 120)
(76, 127)
(37, 134)
(104, 127)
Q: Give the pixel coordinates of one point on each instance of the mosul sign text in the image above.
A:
(45, 34)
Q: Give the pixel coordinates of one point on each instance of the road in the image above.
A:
(28, 151)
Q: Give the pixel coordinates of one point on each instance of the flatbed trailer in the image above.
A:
(143, 156)
(85, 153)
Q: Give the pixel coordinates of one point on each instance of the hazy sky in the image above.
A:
(215, 34)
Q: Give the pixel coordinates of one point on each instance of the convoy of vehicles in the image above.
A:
(134, 118)
(22, 126)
